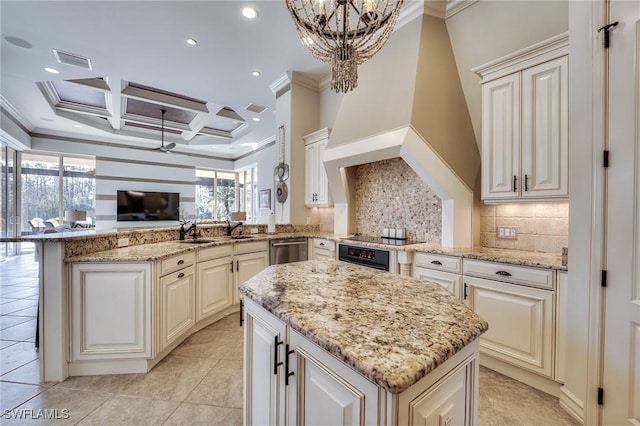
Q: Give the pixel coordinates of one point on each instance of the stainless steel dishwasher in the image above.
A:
(286, 251)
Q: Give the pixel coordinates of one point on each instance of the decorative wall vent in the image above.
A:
(255, 108)
(72, 59)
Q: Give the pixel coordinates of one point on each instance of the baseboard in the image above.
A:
(571, 404)
(111, 366)
(532, 379)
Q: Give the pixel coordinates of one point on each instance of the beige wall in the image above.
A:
(488, 30)
(542, 227)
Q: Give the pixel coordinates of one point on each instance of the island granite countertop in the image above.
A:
(392, 329)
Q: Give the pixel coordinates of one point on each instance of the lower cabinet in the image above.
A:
(249, 259)
(322, 249)
(520, 321)
(214, 290)
(177, 305)
(440, 269)
(289, 380)
(110, 311)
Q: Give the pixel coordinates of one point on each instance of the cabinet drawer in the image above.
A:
(324, 244)
(534, 277)
(451, 282)
(251, 247)
(176, 263)
(319, 254)
(214, 252)
(437, 261)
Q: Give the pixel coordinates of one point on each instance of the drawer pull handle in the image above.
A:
(322, 244)
(181, 274)
(436, 262)
(180, 262)
(503, 273)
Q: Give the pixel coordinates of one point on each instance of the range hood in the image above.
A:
(409, 104)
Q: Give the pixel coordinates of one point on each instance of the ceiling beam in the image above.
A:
(115, 101)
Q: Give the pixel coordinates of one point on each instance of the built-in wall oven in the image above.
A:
(366, 256)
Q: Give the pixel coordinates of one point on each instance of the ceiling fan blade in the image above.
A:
(170, 146)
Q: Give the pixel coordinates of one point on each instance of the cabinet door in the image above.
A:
(246, 266)
(545, 138)
(451, 282)
(310, 162)
(110, 311)
(520, 322)
(501, 138)
(177, 305)
(214, 287)
(322, 185)
(324, 391)
(264, 337)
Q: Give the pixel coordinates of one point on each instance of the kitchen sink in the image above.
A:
(197, 241)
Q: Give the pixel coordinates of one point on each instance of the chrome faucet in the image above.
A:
(191, 230)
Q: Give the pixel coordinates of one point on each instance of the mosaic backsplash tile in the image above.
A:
(389, 194)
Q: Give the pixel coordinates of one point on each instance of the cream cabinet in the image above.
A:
(323, 249)
(110, 311)
(525, 125)
(290, 380)
(443, 270)
(316, 184)
(214, 281)
(249, 259)
(519, 305)
(177, 304)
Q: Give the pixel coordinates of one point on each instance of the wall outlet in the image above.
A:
(507, 232)
(123, 242)
(253, 230)
(308, 220)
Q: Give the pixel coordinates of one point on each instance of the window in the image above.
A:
(219, 193)
(51, 184)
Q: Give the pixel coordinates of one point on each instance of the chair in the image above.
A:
(37, 225)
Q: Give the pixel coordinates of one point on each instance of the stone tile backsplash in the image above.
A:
(542, 227)
(389, 194)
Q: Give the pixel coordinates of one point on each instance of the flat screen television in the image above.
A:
(142, 206)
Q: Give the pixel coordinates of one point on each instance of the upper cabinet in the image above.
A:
(525, 124)
(316, 185)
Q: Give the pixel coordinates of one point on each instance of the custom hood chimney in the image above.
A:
(409, 103)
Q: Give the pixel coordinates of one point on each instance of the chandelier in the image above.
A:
(344, 33)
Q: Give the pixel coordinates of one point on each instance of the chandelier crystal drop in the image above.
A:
(344, 33)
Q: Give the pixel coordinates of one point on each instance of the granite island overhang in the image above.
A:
(395, 331)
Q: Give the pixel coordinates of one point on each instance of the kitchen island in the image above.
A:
(327, 342)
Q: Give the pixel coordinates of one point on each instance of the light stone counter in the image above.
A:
(394, 330)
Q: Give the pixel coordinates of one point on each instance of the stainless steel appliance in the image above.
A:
(286, 251)
(366, 256)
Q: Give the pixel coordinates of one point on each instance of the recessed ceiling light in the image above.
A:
(52, 70)
(256, 73)
(249, 12)
(77, 126)
(192, 41)
(17, 41)
(256, 119)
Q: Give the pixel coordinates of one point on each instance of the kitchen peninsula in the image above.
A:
(328, 342)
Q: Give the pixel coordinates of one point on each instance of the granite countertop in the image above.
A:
(392, 329)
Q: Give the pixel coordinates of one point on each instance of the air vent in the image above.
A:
(72, 59)
(255, 108)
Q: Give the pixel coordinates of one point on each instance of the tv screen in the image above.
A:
(141, 206)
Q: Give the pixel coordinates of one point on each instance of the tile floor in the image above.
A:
(200, 382)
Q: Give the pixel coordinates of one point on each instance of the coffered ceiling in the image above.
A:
(123, 61)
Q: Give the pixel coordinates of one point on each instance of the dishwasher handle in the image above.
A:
(292, 243)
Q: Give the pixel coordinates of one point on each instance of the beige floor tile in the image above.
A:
(113, 383)
(28, 373)
(197, 414)
(77, 403)
(131, 410)
(173, 379)
(221, 387)
(15, 394)
(17, 355)
(7, 343)
(236, 353)
(21, 332)
(504, 401)
(208, 344)
(17, 305)
(8, 321)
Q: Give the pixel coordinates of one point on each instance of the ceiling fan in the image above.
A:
(169, 146)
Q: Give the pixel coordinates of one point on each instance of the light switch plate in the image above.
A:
(123, 242)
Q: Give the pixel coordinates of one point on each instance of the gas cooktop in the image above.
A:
(381, 240)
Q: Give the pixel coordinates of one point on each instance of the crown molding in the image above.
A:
(15, 114)
(456, 6)
(411, 10)
(281, 84)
